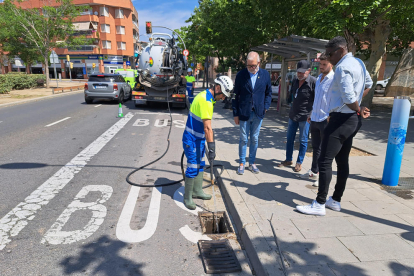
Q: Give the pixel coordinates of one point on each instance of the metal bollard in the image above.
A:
(396, 140)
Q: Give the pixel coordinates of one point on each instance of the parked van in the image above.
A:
(129, 75)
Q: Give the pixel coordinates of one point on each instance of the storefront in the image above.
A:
(111, 63)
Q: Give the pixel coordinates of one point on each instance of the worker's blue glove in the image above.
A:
(211, 154)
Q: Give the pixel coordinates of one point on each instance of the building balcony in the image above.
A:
(82, 48)
(135, 24)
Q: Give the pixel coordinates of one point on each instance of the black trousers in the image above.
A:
(316, 131)
(336, 143)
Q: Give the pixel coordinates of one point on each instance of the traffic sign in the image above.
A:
(185, 52)
(54, 57)
(128, 63)
(192, 64)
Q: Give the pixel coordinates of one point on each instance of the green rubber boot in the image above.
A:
(188, 193)
(198, 188)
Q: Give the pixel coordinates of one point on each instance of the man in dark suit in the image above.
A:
(253, 95)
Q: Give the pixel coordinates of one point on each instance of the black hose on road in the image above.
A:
(159, 158)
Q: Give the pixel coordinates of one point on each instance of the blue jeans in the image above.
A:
(252, 127)
(303, 137)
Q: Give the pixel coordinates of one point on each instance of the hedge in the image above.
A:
(16, 80)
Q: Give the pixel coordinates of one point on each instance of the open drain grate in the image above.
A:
(214, 223)
(404, 189)
(218, 257)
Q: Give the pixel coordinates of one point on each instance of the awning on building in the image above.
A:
(294, 47)
(83, 26)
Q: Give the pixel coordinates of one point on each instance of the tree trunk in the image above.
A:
(47, 71)
(350, 39)
(378, 42)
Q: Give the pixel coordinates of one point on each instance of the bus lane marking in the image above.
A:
(55, 235)
(123, 229)
(14, 221)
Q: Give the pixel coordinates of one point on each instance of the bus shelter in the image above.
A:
(292, 48)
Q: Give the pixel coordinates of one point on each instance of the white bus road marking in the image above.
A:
(186, 231)
(98, 105)
(165, 122)
(57, 122)
(14, 221)
(123, 228)
(55, 235)
(191, 235)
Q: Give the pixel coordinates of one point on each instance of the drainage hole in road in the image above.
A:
(214, 223)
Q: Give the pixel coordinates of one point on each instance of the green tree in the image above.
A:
(41, 30)
(371, 26)
(227, 30)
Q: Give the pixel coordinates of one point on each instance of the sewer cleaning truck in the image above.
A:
(161, 65)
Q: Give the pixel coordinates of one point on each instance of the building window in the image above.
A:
(105, 28)
(119, 13)
(120, 30)
(104, 11)
(106, 44)
(121, 45)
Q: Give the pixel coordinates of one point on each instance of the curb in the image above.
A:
(38, 98)
(261, 256)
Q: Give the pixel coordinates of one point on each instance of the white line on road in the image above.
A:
(57, 122)
(14, 221)
(123, 228)
(98, 105)
(191, 235)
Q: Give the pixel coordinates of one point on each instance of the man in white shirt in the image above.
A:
(350, 84)
(318, 118)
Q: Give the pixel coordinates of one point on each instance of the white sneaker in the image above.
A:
(310, 175)
(314, 209)
(332, 204)
(316, 183)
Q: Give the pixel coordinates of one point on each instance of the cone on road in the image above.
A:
(120, 114)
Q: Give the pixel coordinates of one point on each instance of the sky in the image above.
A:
(168, 13)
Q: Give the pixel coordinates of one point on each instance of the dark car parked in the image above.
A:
(107, 86)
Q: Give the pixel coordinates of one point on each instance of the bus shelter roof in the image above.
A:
(294, 47)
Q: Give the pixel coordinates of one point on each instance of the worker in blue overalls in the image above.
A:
(190, 84)
(197, 131)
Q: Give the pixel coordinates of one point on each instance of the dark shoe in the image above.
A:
(298, 167)
(285, 164)
(198, 188)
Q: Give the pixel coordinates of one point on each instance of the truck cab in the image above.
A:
(130, 75)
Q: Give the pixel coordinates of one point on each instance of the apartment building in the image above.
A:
(113, 27)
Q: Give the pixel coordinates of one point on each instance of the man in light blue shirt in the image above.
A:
(350, 84)
(320, 112)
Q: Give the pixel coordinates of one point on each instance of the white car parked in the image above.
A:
(381, 84)
(275, 89)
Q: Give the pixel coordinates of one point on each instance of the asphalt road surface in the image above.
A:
(65, 207)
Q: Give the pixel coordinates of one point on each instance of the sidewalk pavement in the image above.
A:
(372, 235)
(25, 95)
